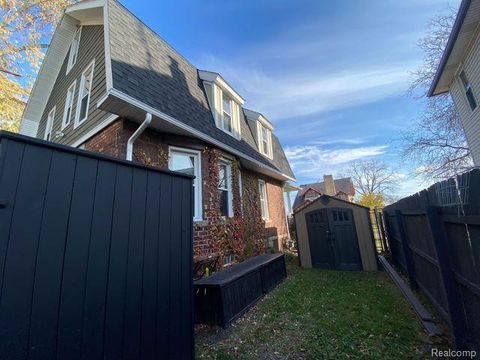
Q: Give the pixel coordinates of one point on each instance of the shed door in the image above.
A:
(344, 238)
(333, 239)
(321, 249)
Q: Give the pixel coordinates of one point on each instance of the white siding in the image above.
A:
(470, 119)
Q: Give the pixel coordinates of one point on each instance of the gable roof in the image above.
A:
(144, 74)
(147, 73)
(458, 44)
(344, 185)
(324, 196)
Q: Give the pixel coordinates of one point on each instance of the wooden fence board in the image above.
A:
(95, 256)
(444, 252)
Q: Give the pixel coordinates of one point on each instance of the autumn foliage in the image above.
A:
(25, 30)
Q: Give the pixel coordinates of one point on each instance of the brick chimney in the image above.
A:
(329, 185)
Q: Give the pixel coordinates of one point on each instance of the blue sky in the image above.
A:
(331, 75)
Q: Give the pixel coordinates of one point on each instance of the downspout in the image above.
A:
(136, 134)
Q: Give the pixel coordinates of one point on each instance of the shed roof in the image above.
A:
(328, 197)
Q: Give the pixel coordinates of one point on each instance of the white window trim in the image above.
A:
(49, 124)
(79, 122)
(265, 199)
(65, 121)
(71, 63)
(229, 189)
(464, 90)
(235, 112)
(269, 152)
(197, 214)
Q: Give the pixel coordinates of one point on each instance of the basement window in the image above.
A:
(468, 91)
(73, 54)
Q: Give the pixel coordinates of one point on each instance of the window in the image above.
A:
(263, 199)
(72, 57)
(227, 113)
(67, 113)
(188, 162)
(84, 95)
(265, 140)
(229, 259)
(468, 91)
(225, 188)
(49, 125)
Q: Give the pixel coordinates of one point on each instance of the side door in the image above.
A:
(321, 250)
(344, 238)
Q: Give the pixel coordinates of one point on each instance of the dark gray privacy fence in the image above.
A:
(434, 237)
(95, 256)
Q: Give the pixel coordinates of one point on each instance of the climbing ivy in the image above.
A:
(243, 236)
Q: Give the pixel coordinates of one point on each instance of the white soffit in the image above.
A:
(256, 116)
(216, 78)
(466, 36)
(88, 12)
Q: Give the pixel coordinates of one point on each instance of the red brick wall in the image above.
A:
(277, 223)
(152, 148)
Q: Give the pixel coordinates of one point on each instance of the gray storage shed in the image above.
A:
(335, 234)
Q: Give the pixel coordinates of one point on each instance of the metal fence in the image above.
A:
(95, 256)
(434, 237)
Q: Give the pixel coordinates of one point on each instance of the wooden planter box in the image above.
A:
(224, 296)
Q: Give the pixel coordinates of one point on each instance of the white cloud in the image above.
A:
(313, 162)
(337, 141)
(300, 92)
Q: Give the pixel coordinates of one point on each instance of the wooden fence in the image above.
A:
(434, 238)
(95, 256)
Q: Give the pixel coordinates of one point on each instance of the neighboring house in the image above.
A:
(459, 72)
(340, 188)
(110, 84)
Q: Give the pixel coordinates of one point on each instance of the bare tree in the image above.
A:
(371, 177)
(437, 142)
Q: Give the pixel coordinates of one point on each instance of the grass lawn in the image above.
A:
(321, 314)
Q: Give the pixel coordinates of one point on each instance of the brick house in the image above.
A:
(340, 188)
(109, 84)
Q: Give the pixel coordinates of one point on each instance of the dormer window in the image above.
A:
(264, 130)
(265, 140)
(226, 122)
(224, 102)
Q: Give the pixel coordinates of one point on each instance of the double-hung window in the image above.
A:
(72, 57)
(468, 91)
(263, 199)
(265, 140)
(225, 188)
(49, 126)
(84, 93)
(227, 110)
(226, 113)
(187, 161)
(67, 112)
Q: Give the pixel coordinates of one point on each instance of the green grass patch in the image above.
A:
(320, 314)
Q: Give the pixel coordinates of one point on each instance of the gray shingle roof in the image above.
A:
(344, 185)
(146, 68)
